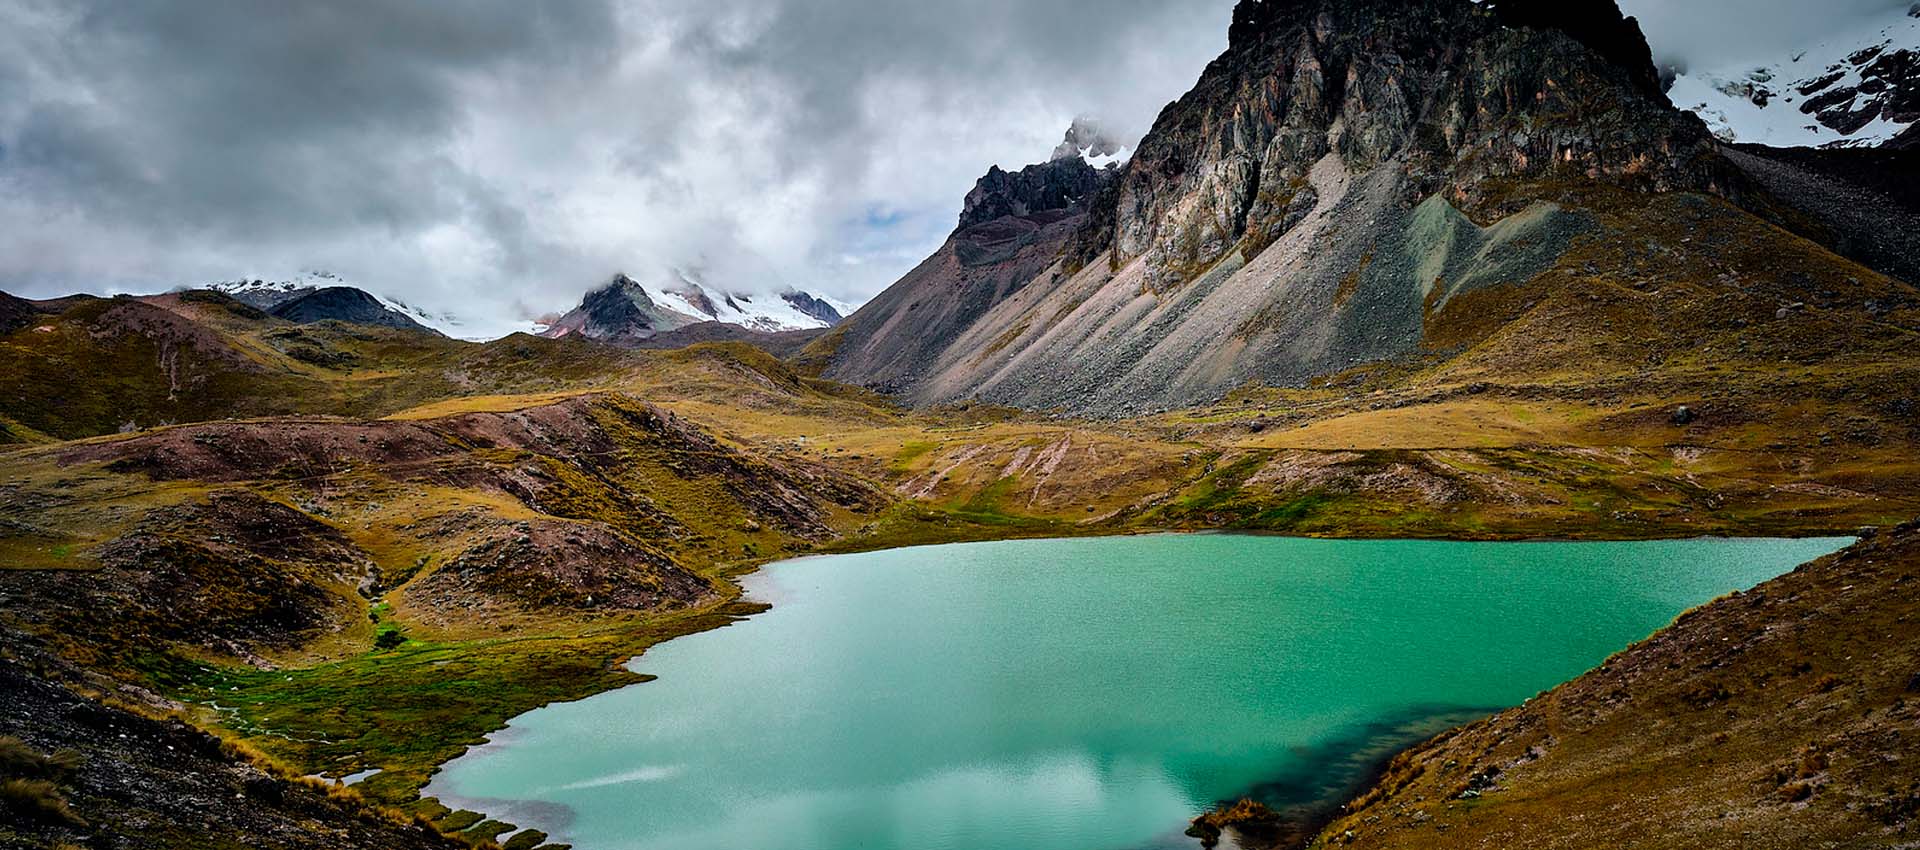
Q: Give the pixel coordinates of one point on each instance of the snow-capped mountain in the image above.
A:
(792, 310)
(1860, 89)
(627, 309)
(269, 295)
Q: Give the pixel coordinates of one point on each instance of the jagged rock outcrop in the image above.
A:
(812, 306)
(1340, 174)
(1447, 91)
(1057, 186)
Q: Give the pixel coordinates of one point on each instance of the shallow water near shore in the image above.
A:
(1085, 694)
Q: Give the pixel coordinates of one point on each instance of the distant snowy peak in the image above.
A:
(1858, 90)
(626, 308)
(1087, 139)
(268, 294)
(789, 310)
(271, 294)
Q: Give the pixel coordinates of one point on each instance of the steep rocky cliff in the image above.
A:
(1333, 182)
(1446, 92)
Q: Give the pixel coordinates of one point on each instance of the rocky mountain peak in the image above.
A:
(620, 288)
(1060, 186)
(620, 309)
(812, 306)
(1447, 92)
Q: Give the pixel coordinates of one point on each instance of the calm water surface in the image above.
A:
(1084, 694)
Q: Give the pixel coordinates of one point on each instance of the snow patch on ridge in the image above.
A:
(1763, 104)
(265, 294)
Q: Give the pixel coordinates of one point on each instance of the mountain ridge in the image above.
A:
(626, 311)
(1318, 197)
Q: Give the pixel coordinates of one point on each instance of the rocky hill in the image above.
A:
(1343, 187)
(344, 304)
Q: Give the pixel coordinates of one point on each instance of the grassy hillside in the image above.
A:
(358, 549)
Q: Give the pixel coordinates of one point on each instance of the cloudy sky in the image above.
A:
(495, 158)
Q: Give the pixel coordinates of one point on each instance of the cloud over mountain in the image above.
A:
(499, 157)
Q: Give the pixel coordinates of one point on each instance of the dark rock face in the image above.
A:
(1061, 185)
(1909, 139)
(620, 312)
(1008, 212)
(621, 307)
(812, 306)
(1449, 91)
(344, 304)
(1888, 87)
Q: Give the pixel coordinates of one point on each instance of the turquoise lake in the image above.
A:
(1088, 694)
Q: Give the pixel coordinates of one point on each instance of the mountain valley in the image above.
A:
(1429, 269)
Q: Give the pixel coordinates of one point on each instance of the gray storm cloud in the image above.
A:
(497, 157)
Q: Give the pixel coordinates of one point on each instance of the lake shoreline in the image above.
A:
(1328, 806)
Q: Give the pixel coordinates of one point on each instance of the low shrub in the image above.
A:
(37, 799)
